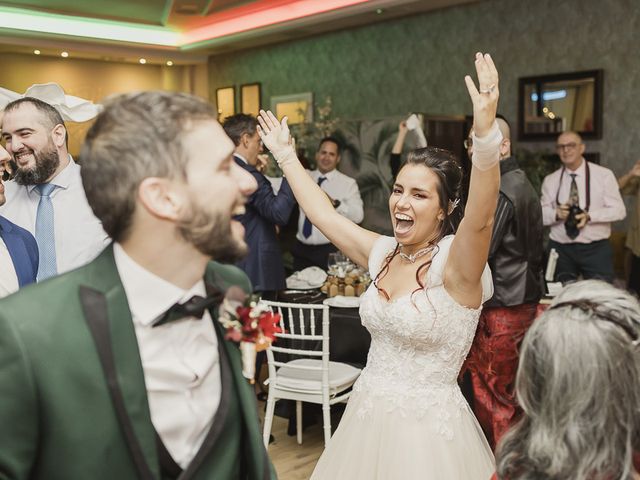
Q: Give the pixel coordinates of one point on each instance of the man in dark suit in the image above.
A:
(18, 248)
(120, 369)
(265, 210)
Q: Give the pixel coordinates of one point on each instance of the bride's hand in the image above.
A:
(276, 137)
(485, 97)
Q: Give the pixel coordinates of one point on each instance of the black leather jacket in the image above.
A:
(516, 251)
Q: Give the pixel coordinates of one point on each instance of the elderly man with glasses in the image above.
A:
(579, 202)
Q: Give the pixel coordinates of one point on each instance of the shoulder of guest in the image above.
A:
(224, 276)
(595, 167)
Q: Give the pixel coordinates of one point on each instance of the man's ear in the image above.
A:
(245, 139)
(505, 146)
(160, 198)
(59, 135)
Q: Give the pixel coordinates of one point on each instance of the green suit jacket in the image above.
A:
(73, 402)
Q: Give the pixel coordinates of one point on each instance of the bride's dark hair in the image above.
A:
(447, 168)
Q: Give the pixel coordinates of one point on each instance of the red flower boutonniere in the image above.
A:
(251, 323)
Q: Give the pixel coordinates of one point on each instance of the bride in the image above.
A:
(407, 418)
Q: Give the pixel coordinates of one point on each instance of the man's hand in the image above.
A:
(263, 162)
(562, 212)
(582, 218)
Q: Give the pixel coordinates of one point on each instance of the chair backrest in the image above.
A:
(305, 328)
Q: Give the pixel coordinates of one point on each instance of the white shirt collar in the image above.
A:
(328, 175)
(578, 171)
(148, 295)
(63, 178)
(236, 154)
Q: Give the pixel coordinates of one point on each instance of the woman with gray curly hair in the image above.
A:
(578, 383)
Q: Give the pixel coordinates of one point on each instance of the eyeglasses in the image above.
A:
(566, 146)
(468, 143)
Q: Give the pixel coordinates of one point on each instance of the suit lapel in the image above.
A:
(256, 459)
(107, 314)
(18, 253)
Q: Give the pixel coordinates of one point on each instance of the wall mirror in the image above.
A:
(551, 104)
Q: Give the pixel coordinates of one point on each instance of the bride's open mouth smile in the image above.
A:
(403, 223)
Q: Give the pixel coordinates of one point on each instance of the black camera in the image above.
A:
(571, 223)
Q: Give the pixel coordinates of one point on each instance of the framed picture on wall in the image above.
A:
(226, 102)
(250, 98)
(298, 107)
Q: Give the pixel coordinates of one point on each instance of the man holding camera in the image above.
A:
(579, 202)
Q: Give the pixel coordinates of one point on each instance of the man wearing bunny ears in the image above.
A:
(46, 197)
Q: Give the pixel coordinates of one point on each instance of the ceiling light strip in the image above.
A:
(17, 19)
(263, 18)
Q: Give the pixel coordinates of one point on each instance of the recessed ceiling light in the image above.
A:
(169, 63)
(143, 61)
(37, 52)
(64, 54)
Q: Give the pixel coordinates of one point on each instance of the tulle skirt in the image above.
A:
(391, 443)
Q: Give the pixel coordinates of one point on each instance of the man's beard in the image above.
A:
(210, 234)
(47, 162)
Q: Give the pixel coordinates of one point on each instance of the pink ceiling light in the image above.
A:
(260, 14)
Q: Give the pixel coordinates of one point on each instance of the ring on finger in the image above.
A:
(490, 89)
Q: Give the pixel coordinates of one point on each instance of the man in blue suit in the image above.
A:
(264, 210)
(18, 248)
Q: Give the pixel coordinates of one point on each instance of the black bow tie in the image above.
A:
(194, 307)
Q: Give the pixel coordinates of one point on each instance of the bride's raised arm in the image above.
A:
(470, 247)
(351, 239)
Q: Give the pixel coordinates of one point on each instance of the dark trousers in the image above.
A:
(634, 275)
(311, 255)
(591, 260)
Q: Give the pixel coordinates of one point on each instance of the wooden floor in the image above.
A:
(293, 461)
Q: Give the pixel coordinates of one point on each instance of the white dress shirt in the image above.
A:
(8, 276)
(79, 234)
(606, 203)
(179, 359)
(339, 187)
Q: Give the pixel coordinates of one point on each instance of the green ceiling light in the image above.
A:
(17, 19)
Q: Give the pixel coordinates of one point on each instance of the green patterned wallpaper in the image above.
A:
(418, 63)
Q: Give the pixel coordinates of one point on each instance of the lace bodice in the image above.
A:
(417, 349)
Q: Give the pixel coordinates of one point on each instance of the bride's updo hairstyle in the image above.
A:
(447, 168)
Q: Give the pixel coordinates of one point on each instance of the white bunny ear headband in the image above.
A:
(72, 109)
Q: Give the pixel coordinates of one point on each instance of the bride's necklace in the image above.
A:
(412, 257)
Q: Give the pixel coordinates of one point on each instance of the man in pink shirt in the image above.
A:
(579, 202)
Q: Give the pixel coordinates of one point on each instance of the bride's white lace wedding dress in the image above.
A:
(407, 418)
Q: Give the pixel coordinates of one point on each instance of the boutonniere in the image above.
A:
(250, 323)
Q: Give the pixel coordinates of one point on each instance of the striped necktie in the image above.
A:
(45, 233)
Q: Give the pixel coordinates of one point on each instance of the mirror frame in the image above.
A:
(597, 75)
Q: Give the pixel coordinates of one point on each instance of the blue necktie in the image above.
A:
(45, 236)
(306, 226)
